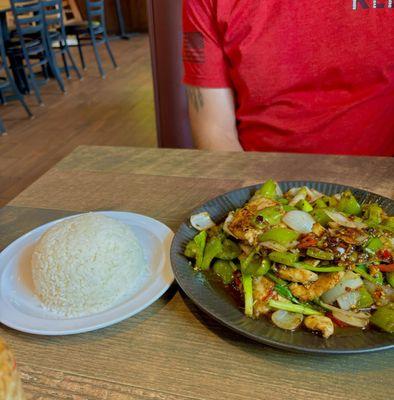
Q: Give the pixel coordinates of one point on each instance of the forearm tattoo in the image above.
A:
(195, 97)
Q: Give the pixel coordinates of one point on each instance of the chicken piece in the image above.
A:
(320, 323)
(297, 275)
(241, 224)
(262, 292)
(258, 203)
(325, 282)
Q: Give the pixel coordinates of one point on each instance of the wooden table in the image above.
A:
(172, 350)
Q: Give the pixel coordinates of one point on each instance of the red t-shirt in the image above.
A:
(309, 76)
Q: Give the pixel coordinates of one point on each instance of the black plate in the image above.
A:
(219, 304)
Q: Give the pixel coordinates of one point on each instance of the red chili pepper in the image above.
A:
(384, 254)
(386, 267)
(308, 240)
(336, 321)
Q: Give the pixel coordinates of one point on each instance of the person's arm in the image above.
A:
(212, 118)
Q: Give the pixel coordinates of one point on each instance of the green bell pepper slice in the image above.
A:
(348, 204)
(365, 300)
(212, 249)
(373, 214)
(363, 271)
(283, 258)
(314, 252)
(272, 215)
(257, 268)
(224, 269)
(373, 245)
(200, 241)
(320, 216)
(268, 189)
(319, 203)
(245, 261)
(390, 278)
(282, 236)
(230, 250)
(304, 205)
(383, 318)
(331, 201)
(191, 249)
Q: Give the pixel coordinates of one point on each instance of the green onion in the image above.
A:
(275, 279)
(309, 267)
(297, 308)
(248, 294)
(285, 292)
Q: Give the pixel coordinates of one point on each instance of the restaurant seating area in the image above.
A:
(118, 110)
(35, 39)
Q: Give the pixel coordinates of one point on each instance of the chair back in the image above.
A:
(165, 32)
(28, 19)
(95, 13)
(53, 14)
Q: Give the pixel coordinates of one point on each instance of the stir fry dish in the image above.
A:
(303, 259)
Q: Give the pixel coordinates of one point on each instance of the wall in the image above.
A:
(134, 14)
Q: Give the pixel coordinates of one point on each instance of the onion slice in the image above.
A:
(287, 320)
(300, 221)
(301, 195)
(359, 319)
(350, 281)
(342, 220)
(348, 300)
(201, 221)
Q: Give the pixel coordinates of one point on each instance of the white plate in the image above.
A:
(21, 309)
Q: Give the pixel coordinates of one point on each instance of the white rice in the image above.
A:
(86, 264)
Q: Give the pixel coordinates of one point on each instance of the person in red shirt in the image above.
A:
(293, 76)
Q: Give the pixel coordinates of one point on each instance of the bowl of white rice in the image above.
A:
(86, 264)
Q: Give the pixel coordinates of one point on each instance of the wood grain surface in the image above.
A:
(172, 350)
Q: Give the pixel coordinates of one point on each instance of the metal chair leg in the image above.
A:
(71, 58)
(111, 56)
(18, 93)
(62, 51)
(55, 70)
(33, 81)
(96, 53)
(2, 128)
(80, 52)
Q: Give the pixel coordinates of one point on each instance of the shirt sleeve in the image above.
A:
(203, 57)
